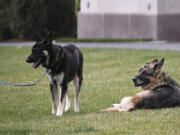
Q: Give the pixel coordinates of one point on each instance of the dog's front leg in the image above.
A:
(61, 102)
(54, 93)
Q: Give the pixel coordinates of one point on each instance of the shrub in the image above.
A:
(24, 18)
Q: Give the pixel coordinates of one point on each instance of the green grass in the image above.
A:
(100, 40)
(107, 78)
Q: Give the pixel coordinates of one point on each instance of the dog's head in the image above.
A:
(149, 75)
(40, 51)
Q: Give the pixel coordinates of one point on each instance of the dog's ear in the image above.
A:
(49, 37)
(154, 61)
(159, 65)
(38, 37)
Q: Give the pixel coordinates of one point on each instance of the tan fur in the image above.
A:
(128, 103)
(155, 81)
(111, 109)
(148, 98)
(136, 99)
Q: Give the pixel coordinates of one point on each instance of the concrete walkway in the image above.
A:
(156, 45)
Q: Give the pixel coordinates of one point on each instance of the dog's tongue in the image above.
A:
(34, 65)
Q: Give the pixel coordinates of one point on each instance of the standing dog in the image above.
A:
(159, 90)
(63, 64)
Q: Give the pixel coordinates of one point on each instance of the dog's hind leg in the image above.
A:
(111, 109)
(68, 103)
(127, 104)
(54, 93)
(77, 82)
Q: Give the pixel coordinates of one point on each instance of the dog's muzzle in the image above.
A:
(135, 80)
(35, 60)
(29, 59)
(140, 81)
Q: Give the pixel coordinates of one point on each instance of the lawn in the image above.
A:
(100, 40)
(107, 78)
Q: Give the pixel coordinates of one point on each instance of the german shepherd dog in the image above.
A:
(63, 64)
(159, 90)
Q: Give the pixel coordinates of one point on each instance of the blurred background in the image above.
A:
(22, 19)
(91, 19)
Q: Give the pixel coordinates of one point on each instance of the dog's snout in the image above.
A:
(134, 79)
(28, 59)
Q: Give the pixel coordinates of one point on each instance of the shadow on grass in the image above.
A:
(80, 130)
(15, 132)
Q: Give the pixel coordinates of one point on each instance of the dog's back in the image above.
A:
(75, 61)
(162, 96)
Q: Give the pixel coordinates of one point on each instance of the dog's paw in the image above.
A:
(76, 109)
(67, 109)
(54, 111)
(118, 105)
(104, 110)
(59, 114)
(60, 110)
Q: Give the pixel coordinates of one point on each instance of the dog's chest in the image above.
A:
(56, 78)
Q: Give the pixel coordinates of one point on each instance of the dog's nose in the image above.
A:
(134, 79)
(28, 59)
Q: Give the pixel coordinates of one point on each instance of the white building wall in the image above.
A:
(147, 7)
(131, 6)
(89, 6)
(119, 6)
(108, 6)
(168, 6)
(154, 19)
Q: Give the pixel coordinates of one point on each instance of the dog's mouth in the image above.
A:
(36, 64)
(140, 82)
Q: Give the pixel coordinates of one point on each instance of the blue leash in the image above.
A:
(23, 85)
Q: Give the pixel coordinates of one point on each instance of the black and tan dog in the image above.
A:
(63, 64)
(159, 90)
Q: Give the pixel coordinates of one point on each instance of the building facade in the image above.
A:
(132, 19)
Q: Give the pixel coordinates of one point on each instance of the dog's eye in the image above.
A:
(146, 73)
(140, 70)
(143, 72)
(34, 49)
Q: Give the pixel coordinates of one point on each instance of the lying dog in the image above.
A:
(159, 90)
(63, 64)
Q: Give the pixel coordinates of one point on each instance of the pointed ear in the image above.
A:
(49, 37)
(155, 61)
(38, 37)
(159, 65)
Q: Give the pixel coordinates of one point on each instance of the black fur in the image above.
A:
(58, 59)
(165, 91)
(163, 96)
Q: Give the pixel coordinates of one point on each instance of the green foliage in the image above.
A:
(61, 17)
(107, 78)
(78, 5)
(24, 18)
(5, 30)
